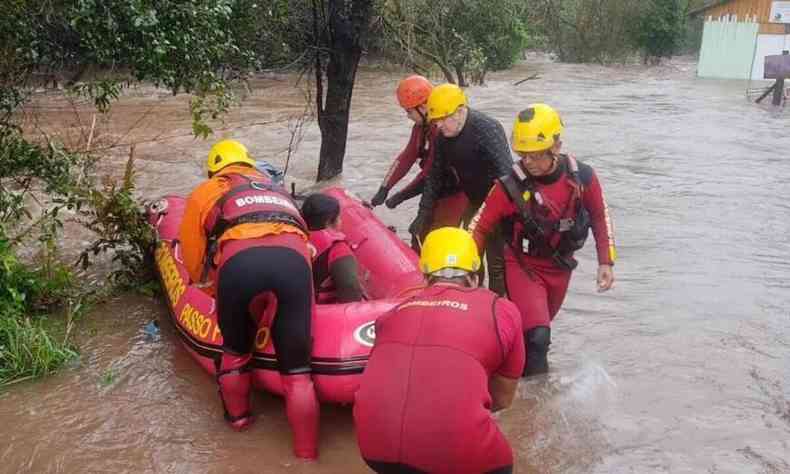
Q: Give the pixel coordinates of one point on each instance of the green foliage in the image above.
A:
(606, 31)
(115, 217)
(661, 28)
(102, 93)
(179, 45)
(28, 168)
(108, 378)
(588, 30)
(26, 347)
(210, 106)
(461, 38)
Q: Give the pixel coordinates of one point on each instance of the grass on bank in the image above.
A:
(29, 346)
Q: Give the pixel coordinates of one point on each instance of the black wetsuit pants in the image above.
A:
(397, 468)
(256, 270)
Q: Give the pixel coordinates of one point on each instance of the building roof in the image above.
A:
(706, 5)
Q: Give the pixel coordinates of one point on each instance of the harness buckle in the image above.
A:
(564, 225)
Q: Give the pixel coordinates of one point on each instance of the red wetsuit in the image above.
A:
(419, 147)
(258, 241)
(335, 275)
(534, 282)
(450, 204)
(423, 399)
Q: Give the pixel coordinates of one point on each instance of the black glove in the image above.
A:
(403, 195)
(420, 225)
(380, 196)
(394, 201)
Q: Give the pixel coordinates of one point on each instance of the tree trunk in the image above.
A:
(459, 73)
(340, 73)
(348, 25)
(448, 74)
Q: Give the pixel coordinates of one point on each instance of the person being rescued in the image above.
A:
(412, 94)
(244, 240)
(471, 150)
(442, 361)
(335, 270)
(547, 205)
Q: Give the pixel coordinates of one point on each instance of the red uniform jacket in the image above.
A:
(330, 246)
(419, 147)
(551, 200)
(423, 399)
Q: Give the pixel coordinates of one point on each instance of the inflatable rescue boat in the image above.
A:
(343, 334)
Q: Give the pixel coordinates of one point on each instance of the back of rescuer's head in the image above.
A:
(225, 153)
(449, 252)
(320, 211)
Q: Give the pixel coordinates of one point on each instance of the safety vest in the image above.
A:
(251, 199)
(542, 237)
(323, 241)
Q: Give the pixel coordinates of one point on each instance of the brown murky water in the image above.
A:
(683, 367)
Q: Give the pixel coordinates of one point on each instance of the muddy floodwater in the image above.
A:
(683, 367)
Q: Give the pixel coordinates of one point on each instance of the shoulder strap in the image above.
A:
(580, 172)
(512, 184)
(513, 188)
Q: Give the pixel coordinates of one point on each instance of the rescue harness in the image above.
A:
(537, 233)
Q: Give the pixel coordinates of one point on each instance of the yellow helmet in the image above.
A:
(449, 248)
(536, 128)
(227, 152)
(445, 100)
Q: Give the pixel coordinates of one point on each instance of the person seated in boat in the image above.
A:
(335, 270)
(442, 361)
(245, 230)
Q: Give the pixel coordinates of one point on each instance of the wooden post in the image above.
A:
(765, 94)
(779, 91)
(777, 67)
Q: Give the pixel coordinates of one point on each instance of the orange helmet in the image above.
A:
(413, 91)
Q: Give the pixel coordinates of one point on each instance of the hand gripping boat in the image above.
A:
(342, 333)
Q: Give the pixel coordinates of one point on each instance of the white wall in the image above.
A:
(767, 45)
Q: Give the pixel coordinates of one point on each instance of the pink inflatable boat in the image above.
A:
(343, 333)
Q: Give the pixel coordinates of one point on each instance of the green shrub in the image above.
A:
(27, 349)
(661, 29)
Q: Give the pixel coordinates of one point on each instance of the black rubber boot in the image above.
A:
(537, 341)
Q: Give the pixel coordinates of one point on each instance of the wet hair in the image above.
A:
(320, 210)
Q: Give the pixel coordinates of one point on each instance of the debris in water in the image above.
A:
(151, 330)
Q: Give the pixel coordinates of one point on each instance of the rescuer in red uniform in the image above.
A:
(442, 362)
(239, 232)
(546, 206)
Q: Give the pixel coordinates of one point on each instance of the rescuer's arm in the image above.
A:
(345, 274)
(603, 231)
(192, 233)
(495, 149)
(490, 213)
(433, 183)
(402, 164)
(503, 383)
(412, 189)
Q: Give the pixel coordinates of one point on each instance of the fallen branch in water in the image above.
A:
(534, 76)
